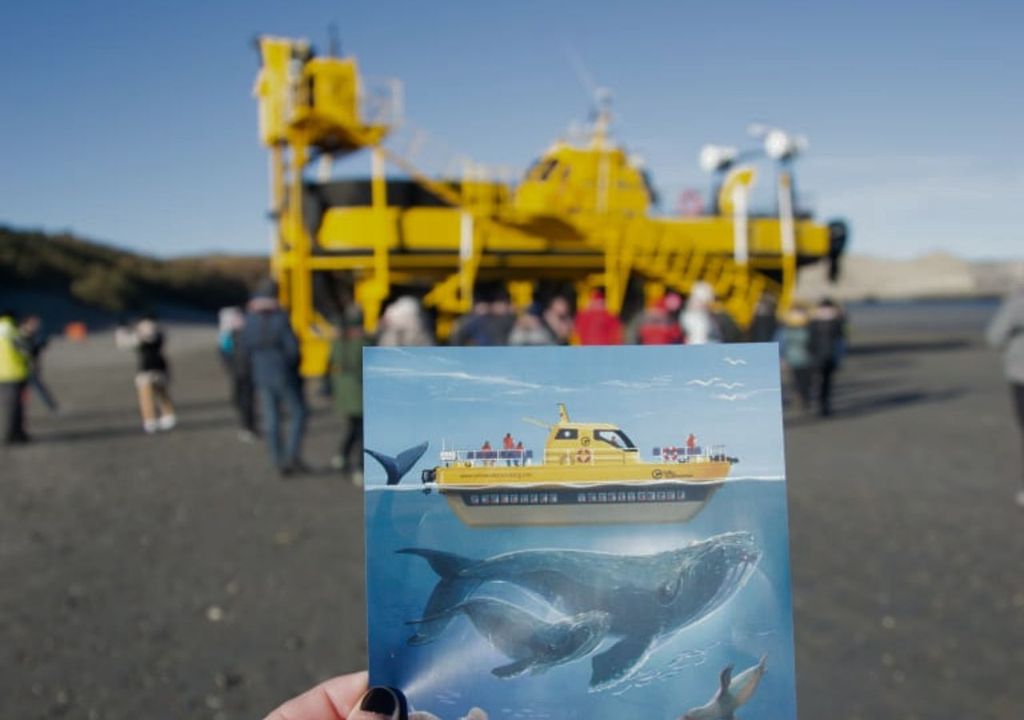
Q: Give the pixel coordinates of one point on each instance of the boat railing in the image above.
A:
(487, 457)
(696, 454)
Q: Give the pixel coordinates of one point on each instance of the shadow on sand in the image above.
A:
(910, 346)
(127, 430)
(844, 406)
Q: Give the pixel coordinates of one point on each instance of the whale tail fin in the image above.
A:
(725, 679)
(449, 592)
(397, 467)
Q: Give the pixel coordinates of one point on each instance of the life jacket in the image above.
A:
(14, 365)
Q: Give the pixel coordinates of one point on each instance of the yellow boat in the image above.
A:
(589, 473)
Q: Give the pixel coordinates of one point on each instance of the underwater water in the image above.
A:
(452, 673)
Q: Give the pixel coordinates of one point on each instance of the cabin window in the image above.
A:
(615, 438)
(567, 434)
(541, 169)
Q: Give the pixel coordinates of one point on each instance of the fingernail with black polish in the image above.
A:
(379, 700)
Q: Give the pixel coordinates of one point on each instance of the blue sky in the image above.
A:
(463, 396)
(132, 122)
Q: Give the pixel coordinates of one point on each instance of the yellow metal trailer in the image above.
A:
(581, 214)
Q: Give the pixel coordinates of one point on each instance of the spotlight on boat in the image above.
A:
(778, 144)
(715, 158)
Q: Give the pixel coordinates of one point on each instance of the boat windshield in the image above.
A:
(615, 438)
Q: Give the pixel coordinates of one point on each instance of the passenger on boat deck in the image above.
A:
(520, 453)
(486, 448)
(691, 442)
(508, 445)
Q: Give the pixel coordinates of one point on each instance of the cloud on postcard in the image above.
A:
(491, 381)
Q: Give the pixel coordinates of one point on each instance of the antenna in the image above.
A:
(333, 41)
(538, 423)
(582, 74)
(600, 97)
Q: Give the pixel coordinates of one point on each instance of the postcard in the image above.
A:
(579, 532)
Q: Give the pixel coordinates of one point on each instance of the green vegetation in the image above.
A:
(117, 280)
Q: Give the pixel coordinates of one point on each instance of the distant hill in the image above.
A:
(937, 275)
(75, 278)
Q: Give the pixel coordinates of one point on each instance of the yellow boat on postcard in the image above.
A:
(589, 473)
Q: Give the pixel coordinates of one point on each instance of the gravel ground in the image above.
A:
(177, 576)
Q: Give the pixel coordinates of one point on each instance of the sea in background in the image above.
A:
(949, 316)
(452, 674)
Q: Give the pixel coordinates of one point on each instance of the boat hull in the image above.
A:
(594, 504)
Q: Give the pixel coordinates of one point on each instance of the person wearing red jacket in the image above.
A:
(658, 327)
(596, 325)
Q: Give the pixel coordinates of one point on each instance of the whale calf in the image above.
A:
(647, 597)
(732, 693)
(533, 644)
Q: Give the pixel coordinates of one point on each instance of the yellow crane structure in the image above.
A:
(580, 215)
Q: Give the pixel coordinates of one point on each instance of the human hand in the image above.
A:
(344, 698)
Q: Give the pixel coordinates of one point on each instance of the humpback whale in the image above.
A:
(732, 693)
(534, 645)
(647, 597)
(397, 467)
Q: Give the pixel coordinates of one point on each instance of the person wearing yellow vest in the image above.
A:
(14, 373)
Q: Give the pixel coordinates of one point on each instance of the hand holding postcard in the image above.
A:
(579, 532)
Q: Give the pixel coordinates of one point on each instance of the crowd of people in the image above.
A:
(551, 321)
(262, 357)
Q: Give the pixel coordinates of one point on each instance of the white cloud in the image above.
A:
(658, 381)
(494, 381)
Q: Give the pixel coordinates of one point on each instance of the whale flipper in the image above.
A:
(724, 679)
(449, 592)
(397, 467)
(513, 669)
(618, 661)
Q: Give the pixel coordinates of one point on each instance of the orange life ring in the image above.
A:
(583, 456)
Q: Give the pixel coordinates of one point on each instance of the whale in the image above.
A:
(648, 598)
(733, 692)
(395, 468)
(534, 645)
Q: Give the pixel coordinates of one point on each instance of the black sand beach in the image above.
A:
(177, 576)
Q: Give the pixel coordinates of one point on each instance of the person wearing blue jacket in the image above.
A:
(273, 358)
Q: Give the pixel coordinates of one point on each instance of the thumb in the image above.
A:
(380, 703)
